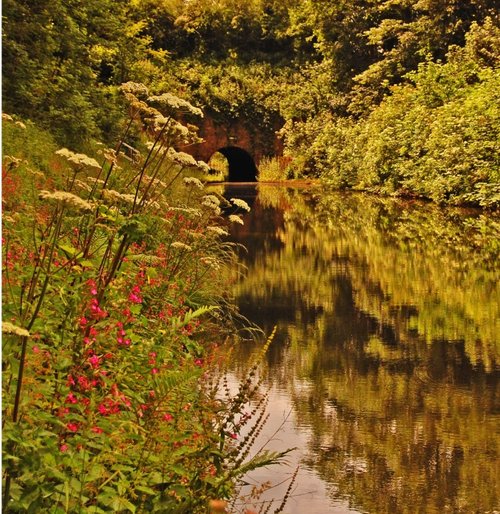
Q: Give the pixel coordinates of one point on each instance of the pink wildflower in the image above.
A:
(92, 287)
(168, 417)
(71, 398)
(84, 383)
(94, 361)
(72, 427)
(154, 371)
(134, 296)
(97, 430)
(103, 409)
(63, 448)
(97, 312)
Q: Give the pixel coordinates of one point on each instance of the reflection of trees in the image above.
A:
(388, 311)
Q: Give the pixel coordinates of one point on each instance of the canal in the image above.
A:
(383, 372)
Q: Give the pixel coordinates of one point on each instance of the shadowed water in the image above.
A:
(384, 368)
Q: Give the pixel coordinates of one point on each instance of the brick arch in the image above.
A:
(237, 140)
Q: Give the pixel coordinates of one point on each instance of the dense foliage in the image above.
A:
(112, 318)
(349, 82)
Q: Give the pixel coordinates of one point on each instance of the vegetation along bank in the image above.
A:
(113, 255)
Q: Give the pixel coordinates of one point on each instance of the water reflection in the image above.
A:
(387, 347)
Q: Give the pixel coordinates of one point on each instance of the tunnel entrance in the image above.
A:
(241, 165)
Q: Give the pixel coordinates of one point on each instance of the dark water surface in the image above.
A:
(384, 368)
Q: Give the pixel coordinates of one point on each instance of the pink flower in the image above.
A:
(63, 448)
(198, 362)
(84, 383)
(92, 287)
(103, 409)
(36, 349)
(83, 321)
(97, 430)
(94, 361)
(134, 296)
(154, 371)
(168, 417)
(71, 398)
(72, 427)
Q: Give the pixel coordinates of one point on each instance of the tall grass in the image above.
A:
(273, 169)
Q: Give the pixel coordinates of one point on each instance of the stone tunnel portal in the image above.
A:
(242, 167)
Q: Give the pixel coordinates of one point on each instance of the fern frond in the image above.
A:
(265, 458)
(170, 381)
(191, 315)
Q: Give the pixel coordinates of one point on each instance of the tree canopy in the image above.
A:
(321, 68)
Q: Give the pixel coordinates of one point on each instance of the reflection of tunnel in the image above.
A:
(242, 167)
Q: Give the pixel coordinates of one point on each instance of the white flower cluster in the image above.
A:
(69, 199)
(181, 246)
(113, 196)
(238, 202)
(212, 202)
(234, 218)
(193, 181)
(204, 166)
(211, 261)
(10, 328)
(80, 159)
(182, 158)
(110, 155)
(135, 88)
(83, 185)
(171, 101)
(218, 230)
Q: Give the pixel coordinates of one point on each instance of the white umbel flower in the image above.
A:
(238, 202)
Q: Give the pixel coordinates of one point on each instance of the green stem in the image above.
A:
(144, 166)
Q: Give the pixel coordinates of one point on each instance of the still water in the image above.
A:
(383, 372)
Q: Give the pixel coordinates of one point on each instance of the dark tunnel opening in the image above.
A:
(242, 167)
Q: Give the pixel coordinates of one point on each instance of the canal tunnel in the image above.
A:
(242, 167)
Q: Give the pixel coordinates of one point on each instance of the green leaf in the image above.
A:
(119, 504)
(147, 490)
